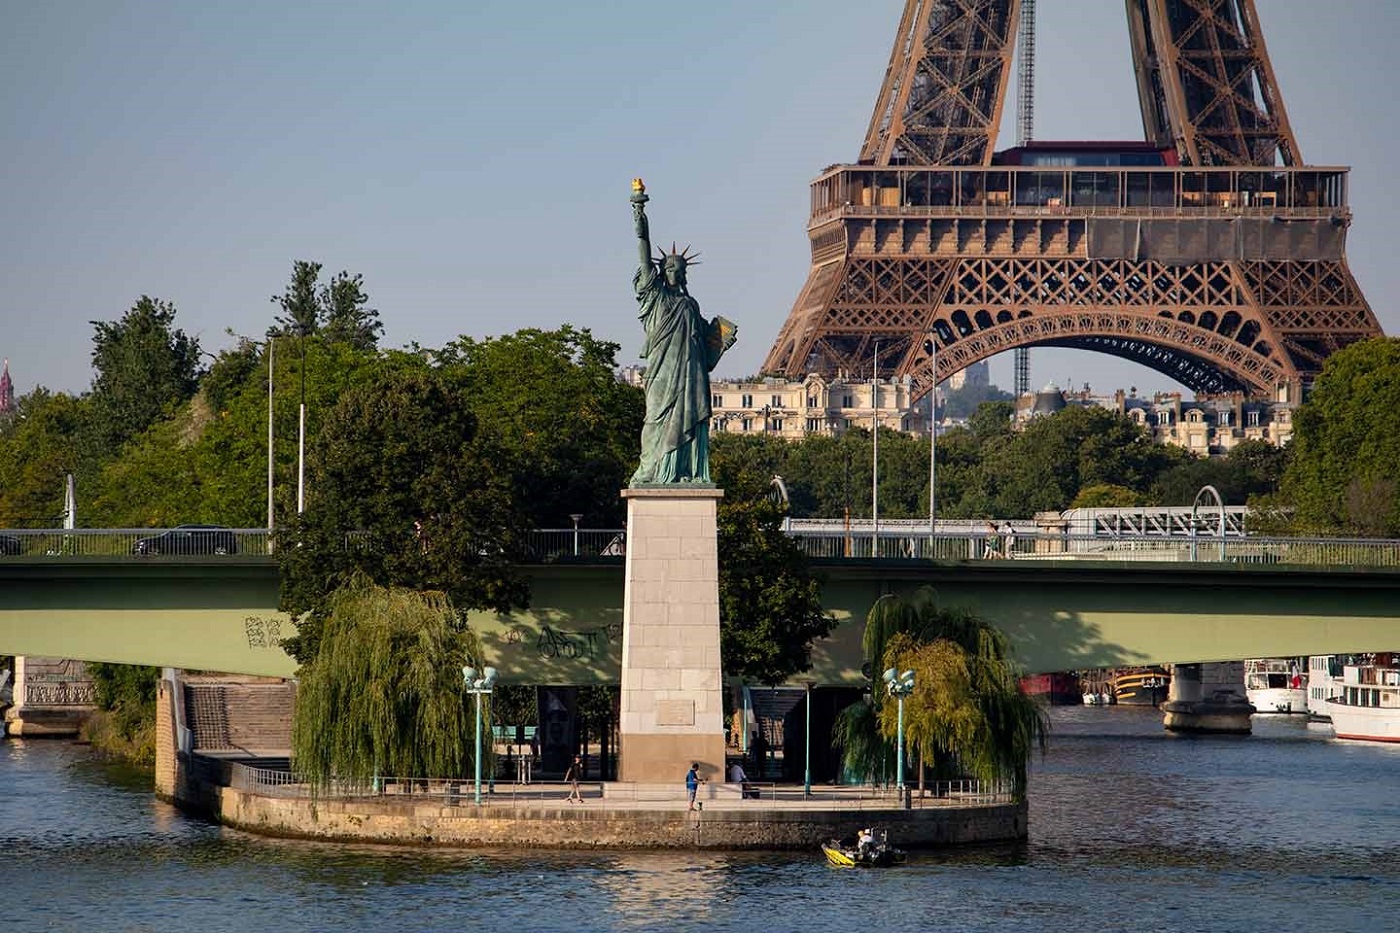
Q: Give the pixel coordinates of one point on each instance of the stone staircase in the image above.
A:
(250, 716)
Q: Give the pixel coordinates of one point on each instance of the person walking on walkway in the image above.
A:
(693, 780)
(573, 775)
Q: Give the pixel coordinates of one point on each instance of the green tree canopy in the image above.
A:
(405, 492)
(383, 695)
(550, 402)
(144, 367)
(967, 715)
(1346, 444)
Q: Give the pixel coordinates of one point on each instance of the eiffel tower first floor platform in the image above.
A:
(1223, 279)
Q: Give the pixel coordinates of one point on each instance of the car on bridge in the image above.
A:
(189, 540)
(11, 545)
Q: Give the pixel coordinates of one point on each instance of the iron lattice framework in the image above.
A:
(1225, 272)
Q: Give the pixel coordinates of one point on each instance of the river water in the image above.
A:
(1131, 829)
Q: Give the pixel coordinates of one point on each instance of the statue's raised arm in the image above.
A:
(639, 217)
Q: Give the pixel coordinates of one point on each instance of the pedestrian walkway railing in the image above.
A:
(134, 542)
(271, 782)
(903, 542)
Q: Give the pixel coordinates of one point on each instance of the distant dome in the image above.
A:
(1048, 400)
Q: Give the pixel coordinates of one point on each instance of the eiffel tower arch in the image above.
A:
(1208, 251)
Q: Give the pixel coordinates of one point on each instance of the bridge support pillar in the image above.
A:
(672, 712)
(1208, 698)
(53, 697)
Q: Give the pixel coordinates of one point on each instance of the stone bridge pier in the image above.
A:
(1208, 697)
(52, 697)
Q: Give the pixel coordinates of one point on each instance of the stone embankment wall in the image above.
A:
(581, 826)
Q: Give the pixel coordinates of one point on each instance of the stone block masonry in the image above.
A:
(672, 706)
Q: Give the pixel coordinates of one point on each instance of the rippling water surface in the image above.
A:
(1131, 829)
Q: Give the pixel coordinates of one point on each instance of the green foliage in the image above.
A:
(1106, 496)
(144, 367)
(37, 447)
(770, 606)
(301, 309)
(405, 492)
(346, 315)
(1346, 446)
(563, 425)
(126, 699)
(384, 694)
(967, 715)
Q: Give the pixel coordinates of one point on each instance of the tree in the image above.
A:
(770, 606)
(565, 426)
(405, 492)
(1106, 496)
(967, 715)
(145, 366)
(384, 695)
(346, 315)
(299, 301)
(41, 443)
(1345, 445)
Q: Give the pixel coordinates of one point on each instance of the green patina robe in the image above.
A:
(680, 349)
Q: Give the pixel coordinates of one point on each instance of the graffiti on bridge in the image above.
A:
(580, 644)
(263, 633)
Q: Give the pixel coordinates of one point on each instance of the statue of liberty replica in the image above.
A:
(672, 705)
(680, 349)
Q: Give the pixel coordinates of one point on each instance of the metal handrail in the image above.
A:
(134, 542)
(271, 782)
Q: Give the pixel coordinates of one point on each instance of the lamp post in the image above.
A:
(932, 345)
(480, 686)
(875, 454)
(807, 744)
(899, 686)
(576, 516)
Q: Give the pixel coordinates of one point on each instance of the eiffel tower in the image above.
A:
(1207, 251)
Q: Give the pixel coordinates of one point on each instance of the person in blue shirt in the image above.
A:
(693, 780)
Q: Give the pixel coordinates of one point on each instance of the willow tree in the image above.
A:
(384, 695)
(967, 715)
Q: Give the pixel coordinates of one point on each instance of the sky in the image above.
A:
(472, 159)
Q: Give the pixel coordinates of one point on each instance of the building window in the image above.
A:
(776, 401)
(811, 401)
(716, 401)
(1194, 417)
(1282, 417)
(746, 401)
(777, 424)
(814, 425)
(847, 402)
(1254, 418)
(1224, 419)
(847, 423)
(747, 424)
(1164, 419)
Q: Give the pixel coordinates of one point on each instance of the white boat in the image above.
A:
(1369, 705)
(1324, 682)
(1275, 685)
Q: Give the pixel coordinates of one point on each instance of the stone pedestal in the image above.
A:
(672, 705)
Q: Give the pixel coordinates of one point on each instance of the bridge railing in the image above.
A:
(904, 541)
(133, 542)
(907, 544)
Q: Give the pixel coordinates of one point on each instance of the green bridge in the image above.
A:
(219, 613)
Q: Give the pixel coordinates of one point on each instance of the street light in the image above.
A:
(931, 344)
(899, 686)
(576, 516)
(479, 686)
(807, 744)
